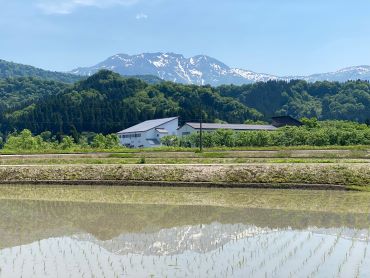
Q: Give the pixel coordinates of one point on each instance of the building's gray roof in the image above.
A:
(147, 125)
(211, 126)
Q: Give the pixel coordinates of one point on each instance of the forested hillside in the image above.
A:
(107, 102)
(22, 91)
(324, 100)
(13, 70)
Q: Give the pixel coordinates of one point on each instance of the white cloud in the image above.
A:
(141, 16)
(68, 6)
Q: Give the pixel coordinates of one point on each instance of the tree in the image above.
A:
(112, 141)
(310, 122)
(23, 141)
(67, 143)
(46, 136)
(99, 141)
(170, 141)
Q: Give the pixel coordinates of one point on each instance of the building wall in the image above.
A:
(185, 130)
(171, 127)
(135, 139)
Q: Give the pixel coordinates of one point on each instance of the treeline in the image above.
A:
(323, 100)
(44, 142)
(107, 102)
(313, 133)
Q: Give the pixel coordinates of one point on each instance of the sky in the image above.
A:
(282, 37)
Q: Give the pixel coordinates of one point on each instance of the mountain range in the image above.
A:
(202, 70)
(156, 67)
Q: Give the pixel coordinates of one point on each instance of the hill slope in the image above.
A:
(21, 91)
(13, 70)
(107, 102)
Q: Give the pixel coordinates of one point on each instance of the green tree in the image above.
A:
(99, 141)
(23, 141)
(170, 141)
(310, 122)
(67, 143)
(112, 141)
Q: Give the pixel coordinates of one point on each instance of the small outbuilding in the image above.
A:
(149, 133)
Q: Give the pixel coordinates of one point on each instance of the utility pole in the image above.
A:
(201, 131)
(201, 127)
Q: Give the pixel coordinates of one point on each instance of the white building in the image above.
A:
(148, 133)
(189, 128)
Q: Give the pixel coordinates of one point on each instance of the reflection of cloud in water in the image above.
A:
(214, 250)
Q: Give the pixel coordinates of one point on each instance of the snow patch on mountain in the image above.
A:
(202, 69)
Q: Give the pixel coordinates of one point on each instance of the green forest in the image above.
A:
(323, 100)
(107, 102)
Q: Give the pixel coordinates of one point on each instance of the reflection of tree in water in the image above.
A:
(27, 221)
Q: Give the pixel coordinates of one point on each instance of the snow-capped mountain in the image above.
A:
(342, 75)
(202, 69)
(198, 70)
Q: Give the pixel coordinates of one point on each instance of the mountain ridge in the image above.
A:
(198, 70)
(203, 69)
(154, 68)
(16, 70)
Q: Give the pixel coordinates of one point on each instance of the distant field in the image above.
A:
(191, 157)
(182, 150)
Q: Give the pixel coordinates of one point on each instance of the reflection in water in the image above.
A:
(66, 239)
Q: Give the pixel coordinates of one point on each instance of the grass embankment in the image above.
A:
(326, 169)
(87, 150)
(208, 157)
(275, 175)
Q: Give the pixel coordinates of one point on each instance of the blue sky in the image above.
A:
(271, 36)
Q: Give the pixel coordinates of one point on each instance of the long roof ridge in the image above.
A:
(147, 125)
(229, 126)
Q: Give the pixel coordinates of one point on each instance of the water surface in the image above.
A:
(251, 233)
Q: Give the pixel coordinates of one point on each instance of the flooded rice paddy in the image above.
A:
(183, 232)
